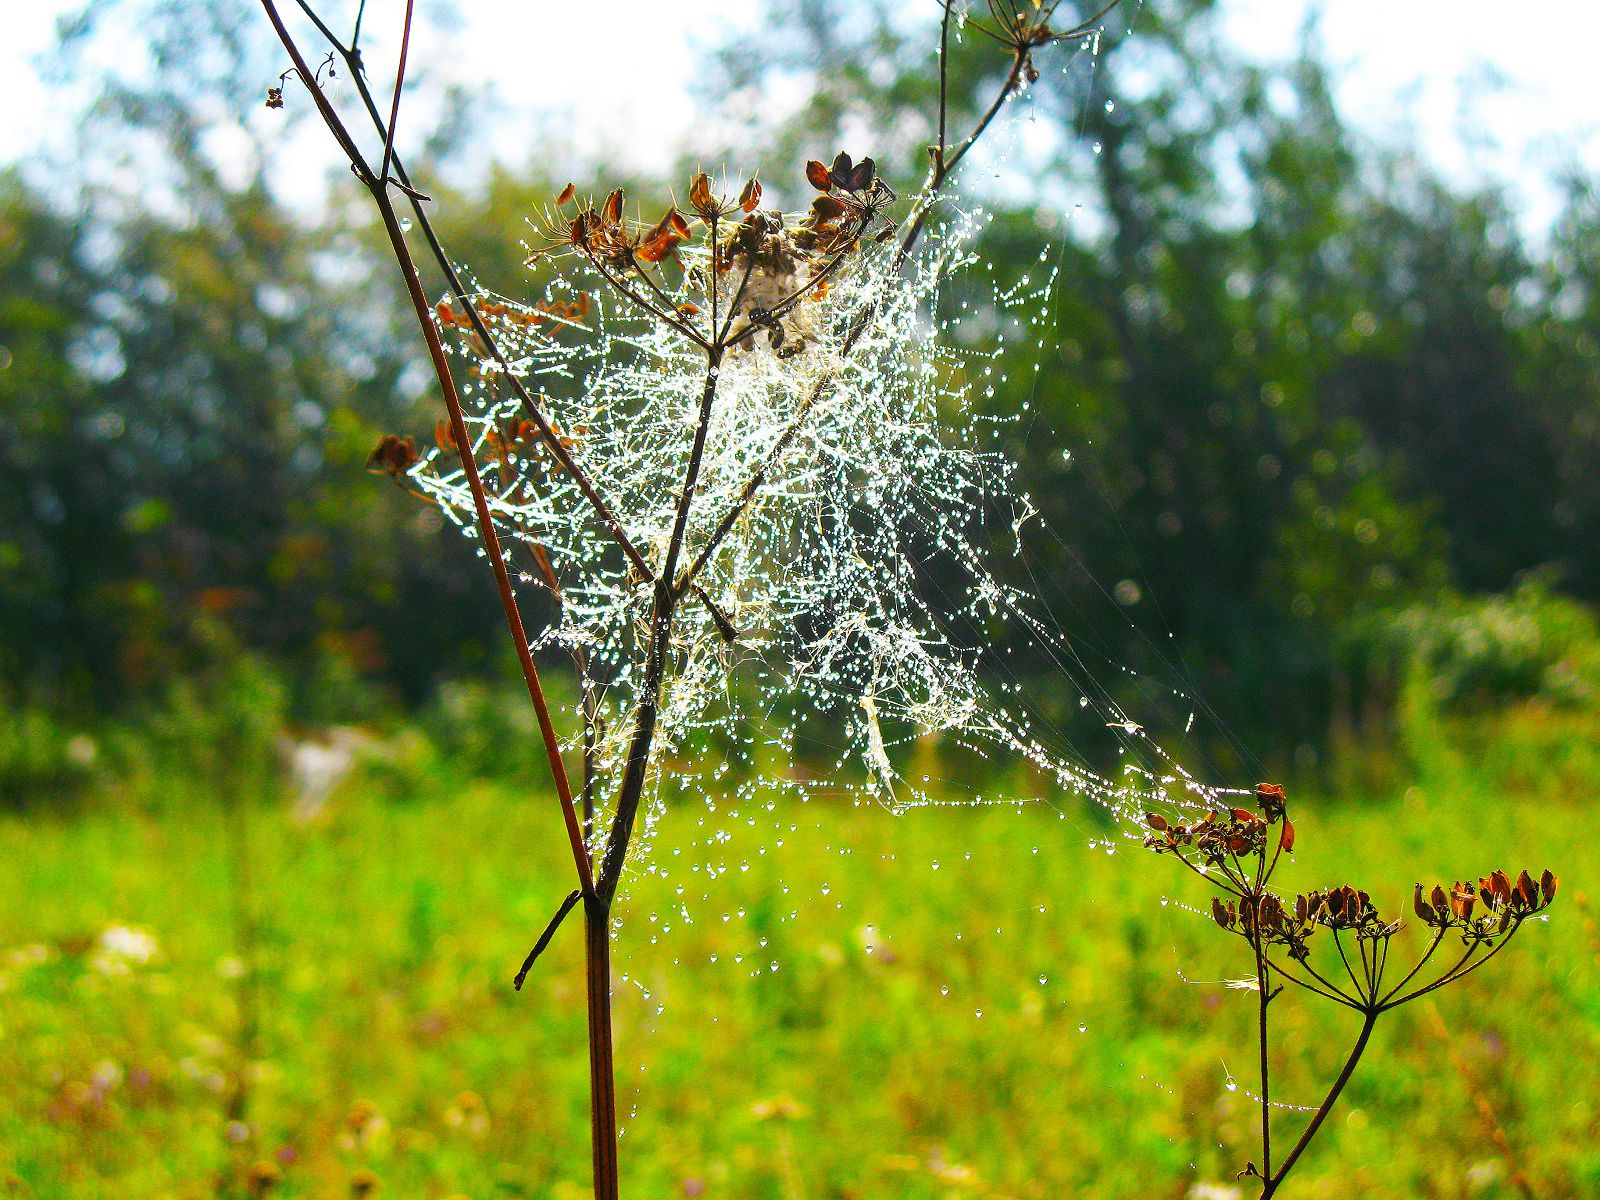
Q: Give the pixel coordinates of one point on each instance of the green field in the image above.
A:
(830, 1015)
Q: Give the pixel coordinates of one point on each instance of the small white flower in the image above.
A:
(120, 948)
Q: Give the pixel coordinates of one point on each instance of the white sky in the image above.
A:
(1418, 66)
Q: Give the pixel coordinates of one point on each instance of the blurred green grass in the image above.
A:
(810, 1007)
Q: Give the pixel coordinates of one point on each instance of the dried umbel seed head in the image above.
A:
(1023, 26)
(1238, 833)
(603, 234)
(1272, 800)
(1344, 907)
(1503, 902)
(1268, 919)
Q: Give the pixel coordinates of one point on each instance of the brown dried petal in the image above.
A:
(700, 195)
(1547, 887)
(840, 171)
(1527, 890)
(1156, 821)
(1423, 909)
(445, 436)
(612, 212)
(750, 196)
(862, 176)
(394, 456)
(1286, 838)
(827, 208)
(817, 176)
(566, 194)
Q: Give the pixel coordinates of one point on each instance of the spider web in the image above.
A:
(866, 583)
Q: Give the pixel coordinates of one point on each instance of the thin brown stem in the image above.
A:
(1438, 938)
(602, 1065)
(1344, 958)
(394, 107)
(648, 709)
(1460, 971)
(1327, 991)
(1263, 999)
(1273, 1181)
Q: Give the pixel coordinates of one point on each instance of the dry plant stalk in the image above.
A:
(1238, 851)
(756, 276)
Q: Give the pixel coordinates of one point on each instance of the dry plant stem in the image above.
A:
(351, 56)
(1264, 998)
(1271, 1184)
(602, 1067)
(378, 187)
(596, 916)
(638, 760)
(597, 926)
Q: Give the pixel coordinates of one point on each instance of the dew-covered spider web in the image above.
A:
(858, 584)
(861, 641)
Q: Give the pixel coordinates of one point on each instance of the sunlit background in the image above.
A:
(1313, 438)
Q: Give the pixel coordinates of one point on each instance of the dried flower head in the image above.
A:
(1504, 903)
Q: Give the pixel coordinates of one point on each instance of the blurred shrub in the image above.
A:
(1476, 652)
(43, 758)
(487, 729)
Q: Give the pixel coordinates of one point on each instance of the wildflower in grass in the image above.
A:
(120, 948)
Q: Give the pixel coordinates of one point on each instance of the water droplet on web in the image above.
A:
(405, 224)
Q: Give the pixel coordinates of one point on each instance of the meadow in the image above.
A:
(205, 990)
